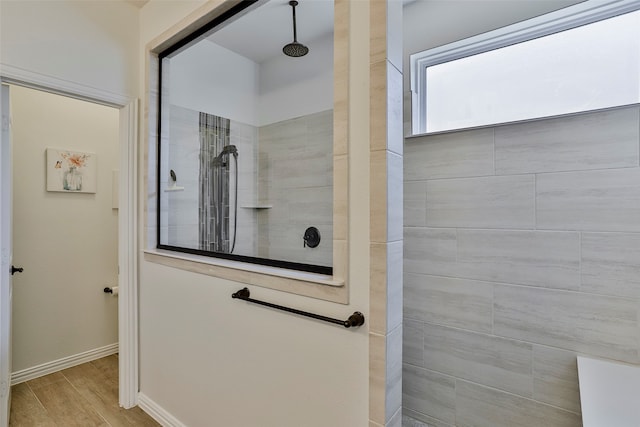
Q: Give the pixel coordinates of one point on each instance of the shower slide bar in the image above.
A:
(356, 319)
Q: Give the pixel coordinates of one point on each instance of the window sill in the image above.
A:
(299, 282)
(517, 122)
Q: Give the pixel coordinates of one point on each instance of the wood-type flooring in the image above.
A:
(85, 395)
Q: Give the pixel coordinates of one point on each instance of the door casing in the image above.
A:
(127, 218)
(5, 257)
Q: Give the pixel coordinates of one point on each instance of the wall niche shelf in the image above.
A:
(257, 206)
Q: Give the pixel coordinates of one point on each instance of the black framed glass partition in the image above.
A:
(245, 137)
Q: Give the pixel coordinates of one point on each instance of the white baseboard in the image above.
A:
(157, 412)
(64, 363)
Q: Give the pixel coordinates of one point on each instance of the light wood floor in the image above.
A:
(85, 395)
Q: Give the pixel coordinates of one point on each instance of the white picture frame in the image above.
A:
(71, 171)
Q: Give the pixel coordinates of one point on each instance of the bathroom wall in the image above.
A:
(209, 78)
(295, 164)
(245, 137)
(285, 180)
(294, 87)
(294, 168)
(67, 243)
(252, 93)
(198, 83)
(242, 365)
(181, 227)
(521, 251)
(183, 157)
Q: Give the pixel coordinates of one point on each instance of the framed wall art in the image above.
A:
(71, 171)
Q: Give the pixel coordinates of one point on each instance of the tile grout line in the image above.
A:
(535, 201)
(517, 395)
(81, 395)
(36, 397)
(520, 285)
(533, 344)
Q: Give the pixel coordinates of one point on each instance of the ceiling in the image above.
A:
(261, 33)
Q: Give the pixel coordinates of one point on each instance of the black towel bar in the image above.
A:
(356, 319)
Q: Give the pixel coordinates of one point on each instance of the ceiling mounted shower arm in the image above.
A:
(293, 4)
(295, 49)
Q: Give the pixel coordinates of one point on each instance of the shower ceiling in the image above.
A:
(261, 33)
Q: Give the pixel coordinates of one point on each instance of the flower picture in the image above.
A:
(76, 160)
(71, 171)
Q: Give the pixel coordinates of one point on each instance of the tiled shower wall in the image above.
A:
(522, 249)
(181, 156)
(184, 158)
(295, 177)
(245, 137)
(286, 165)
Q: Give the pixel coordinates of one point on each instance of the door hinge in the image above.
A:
(6, 123)
(3, 389)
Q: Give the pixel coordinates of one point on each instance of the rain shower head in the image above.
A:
(295, 49)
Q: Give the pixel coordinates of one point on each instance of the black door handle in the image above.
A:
(15, 270)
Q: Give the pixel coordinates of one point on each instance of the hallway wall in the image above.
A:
(87, 43)
(67, 243)
(521, 251)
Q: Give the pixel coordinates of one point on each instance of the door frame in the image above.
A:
(5, 259)
(127, 212)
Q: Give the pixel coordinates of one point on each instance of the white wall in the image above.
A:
(91, 43)
(295, 87)
(211, 360)
(209, 78)
(67, 243)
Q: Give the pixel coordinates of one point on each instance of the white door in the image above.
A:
(5, 251)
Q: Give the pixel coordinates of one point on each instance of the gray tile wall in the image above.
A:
(521, 250)
(295, 177)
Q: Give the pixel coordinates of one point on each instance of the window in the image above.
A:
(580, 58)
(245, 139)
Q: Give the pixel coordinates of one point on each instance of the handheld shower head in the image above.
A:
(229, 149)
(226, 150)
